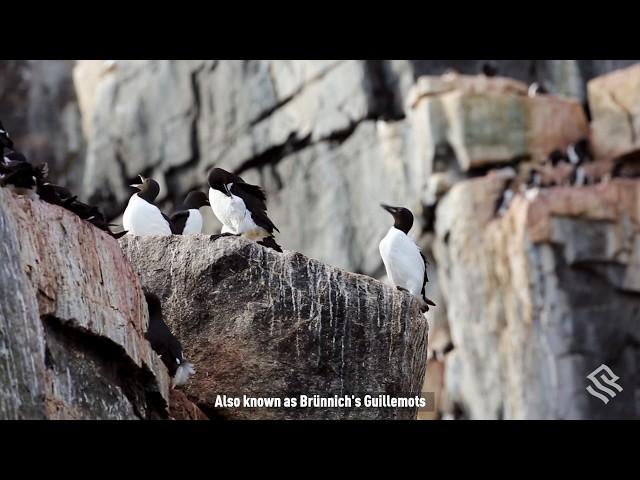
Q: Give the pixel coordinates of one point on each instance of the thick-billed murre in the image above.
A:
(187, 220)
(165, 344)
(142, 216)
(405, 264)
(241, 208)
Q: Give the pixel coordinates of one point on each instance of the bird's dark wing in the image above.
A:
(168, 221)
(177, 221)
(424, 282)
(255, 200)
(269, 242)
(253, 190)
(162, 341)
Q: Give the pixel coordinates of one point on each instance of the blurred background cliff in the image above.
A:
(531, 297)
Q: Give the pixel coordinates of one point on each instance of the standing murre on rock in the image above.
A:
(165, 344)
(142, 216)
(241, 208)
(187, 220)
(405, 264)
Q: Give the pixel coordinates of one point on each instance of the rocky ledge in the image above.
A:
(263, 324)
(72, 321)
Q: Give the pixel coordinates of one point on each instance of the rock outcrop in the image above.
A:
(540, 298)
(264, 324)
(513, 335)
(72, 321)
(615, 106)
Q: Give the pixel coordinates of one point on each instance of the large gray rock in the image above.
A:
(72, 321)
(260, 323)
(488, 121)
(540, 298)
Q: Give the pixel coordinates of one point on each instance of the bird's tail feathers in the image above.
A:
(270, 242)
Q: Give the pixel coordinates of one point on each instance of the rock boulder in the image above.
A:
(259, 323)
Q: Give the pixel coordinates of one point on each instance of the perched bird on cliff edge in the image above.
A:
(241, 208)
(405, 264)
(187, 220)
(142, 216)
(165, 344)
(5, 140)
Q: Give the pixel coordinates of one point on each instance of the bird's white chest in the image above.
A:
(142, 218)
(232, 213)
(402, 261)
(193, 224)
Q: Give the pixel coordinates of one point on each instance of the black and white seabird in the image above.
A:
(405, 264)
(536, 89)
(557, 156)
(188, 219)
(5, 140)
(579, 152)
(241, 208)
(19, 174)
(142, 217)
(165, 344)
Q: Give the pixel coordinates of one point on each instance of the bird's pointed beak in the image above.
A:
(138, 185)
(227, 188)
(387, 208)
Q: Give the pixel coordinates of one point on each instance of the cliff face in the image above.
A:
(262, 324)
(72, 321)
(529, 301)
(337, 136)
(39, 106)
(539, 298)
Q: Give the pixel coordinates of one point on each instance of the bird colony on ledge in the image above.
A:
(239, 206)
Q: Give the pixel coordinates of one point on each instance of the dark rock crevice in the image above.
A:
(103, 368)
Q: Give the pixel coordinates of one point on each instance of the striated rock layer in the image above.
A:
(259, 323)
(72, 321)
(540, 298)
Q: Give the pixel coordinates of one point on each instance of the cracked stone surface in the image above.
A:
(541, 297)
(259, 323)
(72, 321)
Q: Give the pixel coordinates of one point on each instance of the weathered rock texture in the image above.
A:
(72, 321)
(290, 125)
(540, 298)
(488, 121)
(615, 106)
(39, 107)
(259, 323)
(330, 140)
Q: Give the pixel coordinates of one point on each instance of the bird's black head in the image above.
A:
(196, 200)
(402, 216)
(149, 189)
(219, 179)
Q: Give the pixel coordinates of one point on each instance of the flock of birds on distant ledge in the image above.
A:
(576, 166)
(240, 207)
